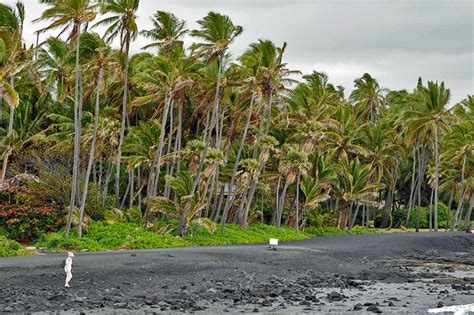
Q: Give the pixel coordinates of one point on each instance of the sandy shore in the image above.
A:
(390, 273)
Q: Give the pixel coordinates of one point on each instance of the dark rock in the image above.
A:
(357, 307)
(305, 302)
(266, 302)
(390, 303)
(374, 309)
(334, 296)
(440, 304)
(255, 310)
(58, 297)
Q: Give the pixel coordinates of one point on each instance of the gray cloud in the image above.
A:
(396, 41)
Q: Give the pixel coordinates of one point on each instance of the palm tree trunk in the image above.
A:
(262, 166)
(354, 217)
(207, 136)
(122, 127)
(450, 203)
(436, 180)
(91, 154)
(168, 151)
(77, 136)
(132, 188)
(10, 131)
(430, 223)
(412, 187)
(297, 201)
(455, 223)
(281, 203)
(108, 177)
(277, 202)
(230, 199)
(467, 218)
(156, 167)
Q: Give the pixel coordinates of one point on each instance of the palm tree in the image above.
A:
(429, 115)
(293, 164)
(353, 185)
(460, 149)
(163, 78)
(368, 97)
(265, 61)
(167, 31)
(54, 62)
(217, 32)
(11, 26)
(72, 14)
(122, 23)
(94, 48)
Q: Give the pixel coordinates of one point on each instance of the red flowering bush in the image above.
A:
(23, 215)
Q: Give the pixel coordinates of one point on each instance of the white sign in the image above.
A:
(273, 242)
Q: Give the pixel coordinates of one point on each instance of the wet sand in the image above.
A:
(390, 273)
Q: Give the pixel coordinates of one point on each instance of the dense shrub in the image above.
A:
(399, 216)
(11, 248)
(23, 215)
(102, 236)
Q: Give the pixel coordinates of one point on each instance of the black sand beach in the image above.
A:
(389, 273)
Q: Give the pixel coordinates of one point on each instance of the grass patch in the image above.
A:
(102, 236)
(11, 248)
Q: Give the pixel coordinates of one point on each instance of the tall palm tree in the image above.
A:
(368, 97)
(71, 14)
(293, 164)
(167, 31)
(272, 77)
(11, 25)
(123, 24)
(216, 33)
(429, 115)
(354, 186)
(96, 50)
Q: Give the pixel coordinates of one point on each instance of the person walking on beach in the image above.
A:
(68, 268)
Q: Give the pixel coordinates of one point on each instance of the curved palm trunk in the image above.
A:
(77, 136)
(91, 154)
(122, 127)
(181, 230)
(297, 201)
(9, 133)
(436, 180)
(230, 199)
(354, 217)
(253, 186)
(412, 188)
(450, 203)
(154, 176)
(281, 203)
(467, 219)
(455, 223)
(207, 135)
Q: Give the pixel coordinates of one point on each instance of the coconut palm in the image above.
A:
(167, 31)
(11, 25)
(216, 33)
(429, 116)
(94, 48)
(368, 97)
(122, 24)
(71, 14)
(353, 185)
(293, 164)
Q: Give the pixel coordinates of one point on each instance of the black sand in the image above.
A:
(389, 273)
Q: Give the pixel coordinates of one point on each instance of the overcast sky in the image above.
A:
(395, 41)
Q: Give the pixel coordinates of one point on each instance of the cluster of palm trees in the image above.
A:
(193, 134)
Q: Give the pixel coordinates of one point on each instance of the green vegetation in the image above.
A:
(101, 236)
(11, 248)
(179, 143)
